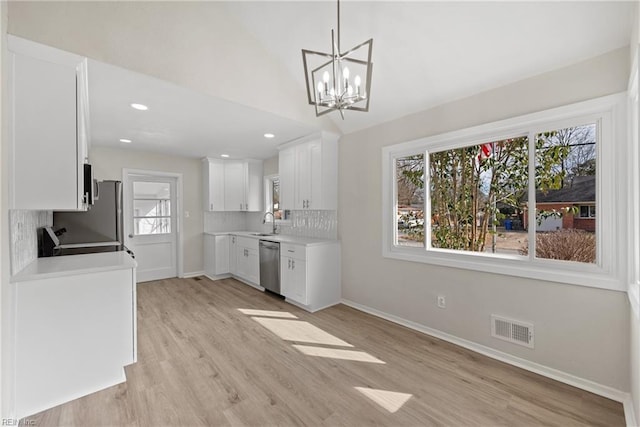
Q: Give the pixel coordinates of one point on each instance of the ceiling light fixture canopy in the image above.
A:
(328, 76)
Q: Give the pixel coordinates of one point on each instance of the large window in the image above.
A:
(521, 197)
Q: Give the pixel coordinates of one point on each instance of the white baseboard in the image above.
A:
(629, 412)
(192, 274)
(563, 377)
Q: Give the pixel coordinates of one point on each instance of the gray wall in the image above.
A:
(109, 162)
(579, 330)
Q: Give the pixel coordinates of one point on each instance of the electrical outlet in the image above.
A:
(442, 301)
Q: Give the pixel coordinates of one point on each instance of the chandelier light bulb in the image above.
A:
(350, 90)
(319, 90)
(358, 82)
(345, 72)
(325, 77)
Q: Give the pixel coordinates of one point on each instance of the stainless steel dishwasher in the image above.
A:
(270, 266)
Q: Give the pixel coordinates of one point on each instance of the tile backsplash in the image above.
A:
(23, 227)
(225, 221)
(308, 223)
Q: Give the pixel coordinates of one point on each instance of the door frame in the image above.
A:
(179, 212)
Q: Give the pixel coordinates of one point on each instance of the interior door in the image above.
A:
(151, 225)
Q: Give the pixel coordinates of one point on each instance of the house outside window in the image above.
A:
(463, 199)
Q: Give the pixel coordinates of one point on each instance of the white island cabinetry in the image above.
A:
(75, 328)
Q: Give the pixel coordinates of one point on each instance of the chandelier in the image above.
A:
(328, 76)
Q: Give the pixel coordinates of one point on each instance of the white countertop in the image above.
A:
(281, 238)
(68, 265)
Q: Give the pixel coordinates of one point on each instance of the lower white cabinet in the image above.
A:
(74, 334)
(310, 275)
(233, 256)
(247, 259)
(216, 255)
(293, 279)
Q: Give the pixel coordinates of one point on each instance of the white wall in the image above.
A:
(581, 331)
(109, 162)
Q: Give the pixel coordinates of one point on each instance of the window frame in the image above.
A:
(606, 273)
(268, 201)
(590, 215)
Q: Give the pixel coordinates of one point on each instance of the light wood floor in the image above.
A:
(203, 362)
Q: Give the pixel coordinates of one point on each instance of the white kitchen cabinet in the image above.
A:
(48, 127)
(234, 182)
(308, 173)
(248, 260)
(216, 255)
(310, 275)
(232, 185)
(74, 334)
(293, 278)
(233, 256)
(213, 185)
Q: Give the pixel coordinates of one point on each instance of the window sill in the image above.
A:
(511, 265)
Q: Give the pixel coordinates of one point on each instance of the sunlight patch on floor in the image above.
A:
(267, 313)
(335, 353)
(389, 400)
(300, 331)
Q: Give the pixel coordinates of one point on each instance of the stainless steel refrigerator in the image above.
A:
(97, 230)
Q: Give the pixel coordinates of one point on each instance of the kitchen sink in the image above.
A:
(262, 234)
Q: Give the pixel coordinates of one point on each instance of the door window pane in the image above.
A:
(151, 208)
(566, 194)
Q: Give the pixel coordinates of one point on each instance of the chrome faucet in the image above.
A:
(273, 218)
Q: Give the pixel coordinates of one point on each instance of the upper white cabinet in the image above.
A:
(308, 170)
(49, 127)
(232, 185)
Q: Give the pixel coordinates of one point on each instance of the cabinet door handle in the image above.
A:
(211, 206)
(289, 264)
(293, 264)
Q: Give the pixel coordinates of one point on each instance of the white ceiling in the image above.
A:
(424, 54)
(179, 121)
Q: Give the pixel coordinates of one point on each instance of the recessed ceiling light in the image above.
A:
(269, 135)
(140, 107)
(224, 155)
(126, 141)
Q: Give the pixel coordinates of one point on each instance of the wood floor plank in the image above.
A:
(203, 362)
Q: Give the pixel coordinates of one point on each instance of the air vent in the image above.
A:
(514, 331)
